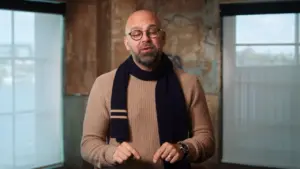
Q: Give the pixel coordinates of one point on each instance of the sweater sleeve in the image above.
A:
(94, 148)
(202, 143)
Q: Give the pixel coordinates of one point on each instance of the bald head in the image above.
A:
(144, 38)
(140, 18)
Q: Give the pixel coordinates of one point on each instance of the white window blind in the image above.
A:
(261, 91)
(30, 89)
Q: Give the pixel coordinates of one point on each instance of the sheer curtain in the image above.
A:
(30, 89)
(261, 91)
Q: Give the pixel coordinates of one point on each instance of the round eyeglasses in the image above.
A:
(138, 34)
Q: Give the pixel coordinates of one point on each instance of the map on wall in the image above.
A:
(194, 47)
(206, 71)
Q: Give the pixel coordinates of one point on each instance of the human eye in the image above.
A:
(136, 33)
(153, 30)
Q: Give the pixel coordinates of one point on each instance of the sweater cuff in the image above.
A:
(193, 150)
(109, 154)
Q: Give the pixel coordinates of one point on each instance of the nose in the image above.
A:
(145, 37)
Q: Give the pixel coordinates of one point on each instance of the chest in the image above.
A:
(141, 100)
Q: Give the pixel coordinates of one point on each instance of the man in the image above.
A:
(146, 114)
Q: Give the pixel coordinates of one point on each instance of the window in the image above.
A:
(261, 82)
(30, 89)
(267, 40)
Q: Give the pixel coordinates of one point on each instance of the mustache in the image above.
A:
(148, 45)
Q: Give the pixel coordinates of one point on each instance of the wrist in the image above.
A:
(109, 153)
(184, 149)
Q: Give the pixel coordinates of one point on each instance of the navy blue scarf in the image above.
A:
(172, 116)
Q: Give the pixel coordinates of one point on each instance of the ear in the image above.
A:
(126, 43)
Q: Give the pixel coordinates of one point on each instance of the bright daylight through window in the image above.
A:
(261, 82)
(30, 89)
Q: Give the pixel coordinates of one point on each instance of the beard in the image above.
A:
(147, 59)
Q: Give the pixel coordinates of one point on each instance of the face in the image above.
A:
(144, 39)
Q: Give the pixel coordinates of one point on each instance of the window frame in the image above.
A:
(248, 8)
(55, 7)
(295, 44)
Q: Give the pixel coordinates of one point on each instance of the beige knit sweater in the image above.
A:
(143, 122)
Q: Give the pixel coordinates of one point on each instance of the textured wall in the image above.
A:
(120, 10)
(80, 35)
(85, 60)
(88, 42)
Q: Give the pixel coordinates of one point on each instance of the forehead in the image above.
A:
(143, 27)
(142, 22)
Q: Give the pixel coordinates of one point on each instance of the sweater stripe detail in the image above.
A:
(118, 117)
(118, 110)
(118, 114)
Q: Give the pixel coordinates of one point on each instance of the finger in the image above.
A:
(158, 153)
(168, 150)
(124, 150)
(119, 160)
(123, 155)
(175, 158)
(171, 154)
(132, 150)
(168, 158)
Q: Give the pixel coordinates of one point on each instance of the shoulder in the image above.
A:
(107, 77)
(104, 82)
(187, 80)
(191, 86)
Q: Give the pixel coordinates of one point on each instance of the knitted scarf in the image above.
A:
(172, 116)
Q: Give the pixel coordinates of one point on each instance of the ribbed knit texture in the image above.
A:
(143, 122)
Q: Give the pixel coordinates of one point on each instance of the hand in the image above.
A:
(123, 152)
(168, 152)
